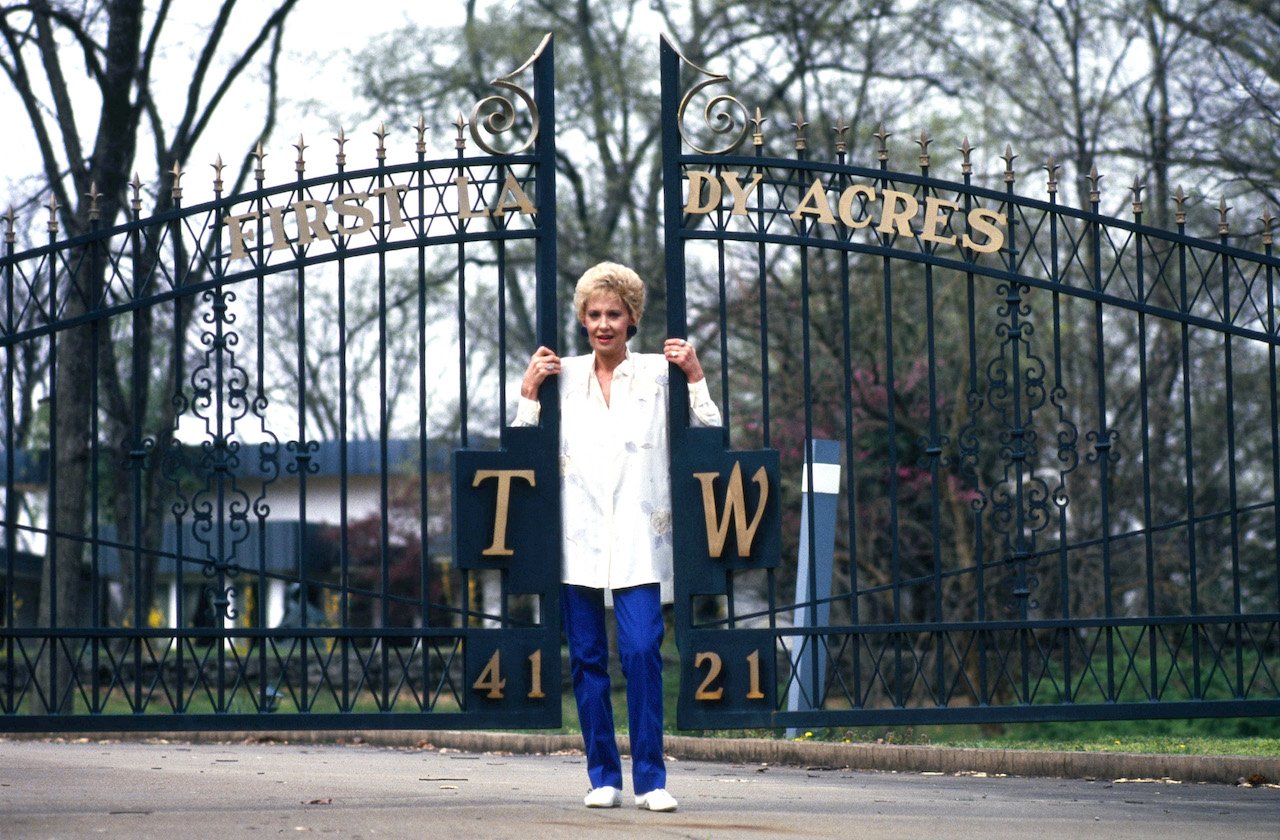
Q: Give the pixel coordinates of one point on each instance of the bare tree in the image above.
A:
(117, 46)
(1239, 132)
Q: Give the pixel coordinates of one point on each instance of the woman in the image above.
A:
(616, 499)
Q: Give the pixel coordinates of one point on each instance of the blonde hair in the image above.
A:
(607, 277)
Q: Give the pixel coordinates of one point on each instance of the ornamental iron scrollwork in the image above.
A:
(209, 499)
(224, 602)
(503, 118)
(1020, 503)
(1068, 439)
(717, 113)
(220, 387)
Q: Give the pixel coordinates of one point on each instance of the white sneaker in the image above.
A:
(657, 800)
(603, 797)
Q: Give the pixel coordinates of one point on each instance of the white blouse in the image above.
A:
(615, 477)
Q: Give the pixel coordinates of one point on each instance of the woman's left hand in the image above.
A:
(681, 354)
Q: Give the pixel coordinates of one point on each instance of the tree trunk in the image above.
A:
(61, 584)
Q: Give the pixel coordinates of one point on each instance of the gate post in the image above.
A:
(813, 580)
(725, 503)
(507, 502)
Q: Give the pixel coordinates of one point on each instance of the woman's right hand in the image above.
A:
(543, 363)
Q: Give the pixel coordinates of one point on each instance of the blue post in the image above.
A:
(813, 580)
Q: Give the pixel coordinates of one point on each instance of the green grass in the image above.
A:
(243, 702)
(1165, 737)
(1210, 736)
(1206, 736)
(1225, 736)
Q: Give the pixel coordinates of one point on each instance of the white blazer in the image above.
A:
(615, 475)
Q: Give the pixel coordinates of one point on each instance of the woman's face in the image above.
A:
(606, 320)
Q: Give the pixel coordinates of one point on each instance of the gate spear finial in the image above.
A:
(800, 125)
(840, 129)
(217, 174)
(460, 142)
(1265, 218)
(1008, 157)
(176, 190)
(1095, 194)
(1223, 228)
(1052, 167)
(421, 127)
(1180, 207)
(259, 173)
(341, 140)
(300, 164)
(1137, 189)
(381, 134)
(95, 213)
(923, 143)
(11, 217)
(135, 203)
(965, 150)
(883, 137)
(53, 214)
(757, 138)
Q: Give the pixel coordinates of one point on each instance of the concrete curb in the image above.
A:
(1221, 769)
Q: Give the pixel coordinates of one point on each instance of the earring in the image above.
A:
(582, 331)
(631, 331)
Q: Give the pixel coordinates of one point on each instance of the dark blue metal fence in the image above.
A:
(1060, 471)
(273, 387)
(300, 505)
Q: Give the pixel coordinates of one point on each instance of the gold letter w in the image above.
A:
(735, 506)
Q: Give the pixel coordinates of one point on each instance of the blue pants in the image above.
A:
(638, 611)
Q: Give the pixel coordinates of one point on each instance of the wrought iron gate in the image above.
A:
(1055, 494)
(1057, 497)
(262, 397)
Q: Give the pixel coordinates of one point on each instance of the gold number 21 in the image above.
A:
(705, 691)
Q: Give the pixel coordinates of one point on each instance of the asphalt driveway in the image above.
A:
(168, 789)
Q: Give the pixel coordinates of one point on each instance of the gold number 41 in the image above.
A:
(709, 690)
(492, 684)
